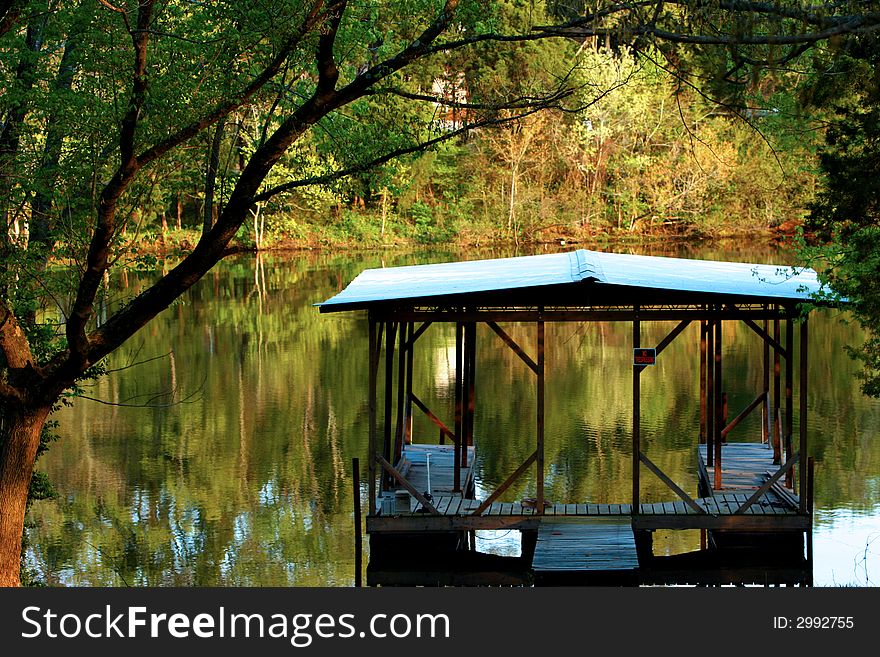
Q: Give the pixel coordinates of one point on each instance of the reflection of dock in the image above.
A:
(753, 503)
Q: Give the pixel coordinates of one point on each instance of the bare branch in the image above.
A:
(522, 102)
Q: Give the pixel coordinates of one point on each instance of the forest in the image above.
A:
(626, 145)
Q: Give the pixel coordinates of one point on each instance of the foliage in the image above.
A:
(845, 218)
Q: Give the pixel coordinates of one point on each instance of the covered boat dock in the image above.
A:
(753, 503)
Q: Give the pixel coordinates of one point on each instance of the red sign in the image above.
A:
(644, 356)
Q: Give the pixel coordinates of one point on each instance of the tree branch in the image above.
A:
(399, 152)
(10, 10)
(186, 133)
(857, 24)
(523, 102)
(328, 74)
(629, 22)
(418, 48)
(96, 261)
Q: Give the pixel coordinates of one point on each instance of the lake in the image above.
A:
(217, 451)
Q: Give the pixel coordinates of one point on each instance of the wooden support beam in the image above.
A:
(471, 392)
(767, 484)
(390, 336)
(802, 418)
(687, 499)
(719, 416)
(703, 431)
(765, 413)
(743, 415)
(506, 484)
(408, 414)
(636, 412)
(510, 342)
(459, 385)
(789, 395)
(373, 411)
(674, 333)
(604, 314)
(401, 393)
(433, 418)
(400, 479)
(540, 421)
(710, 394)
(777, 396)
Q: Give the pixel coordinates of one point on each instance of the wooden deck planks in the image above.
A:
(413, 464)
(593, 544)
(723, 504)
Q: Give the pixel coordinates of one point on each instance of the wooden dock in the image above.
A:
(430, 469)
(744, 466)
(586, 543)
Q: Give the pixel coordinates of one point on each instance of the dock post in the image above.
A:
(710, 393)
(375, 341)
(636, 413)
(719, 412)
(789, 391)
(802, 421)
(777, 393)
(358, 536)
(703, 330)
(459, 385)
(409, 384)
(540, 419)
(390, 335)
(401, 394)
(765, 416)
(471, 369)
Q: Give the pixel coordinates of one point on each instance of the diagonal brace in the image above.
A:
(766, 485)
(687, 499)
(437, 421)
(507, 482)
(513, 345)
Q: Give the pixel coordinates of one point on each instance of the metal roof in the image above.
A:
(773, 282)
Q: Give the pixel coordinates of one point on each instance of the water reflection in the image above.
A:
(245, 479)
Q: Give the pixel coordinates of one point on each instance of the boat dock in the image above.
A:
(753, 503)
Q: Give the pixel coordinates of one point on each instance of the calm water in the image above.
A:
(225, 456)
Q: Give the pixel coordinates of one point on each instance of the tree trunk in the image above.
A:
(19, 439)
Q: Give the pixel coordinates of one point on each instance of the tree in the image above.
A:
(844, 220)
(108, 92)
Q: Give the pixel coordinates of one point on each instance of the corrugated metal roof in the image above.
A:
(614, 269)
